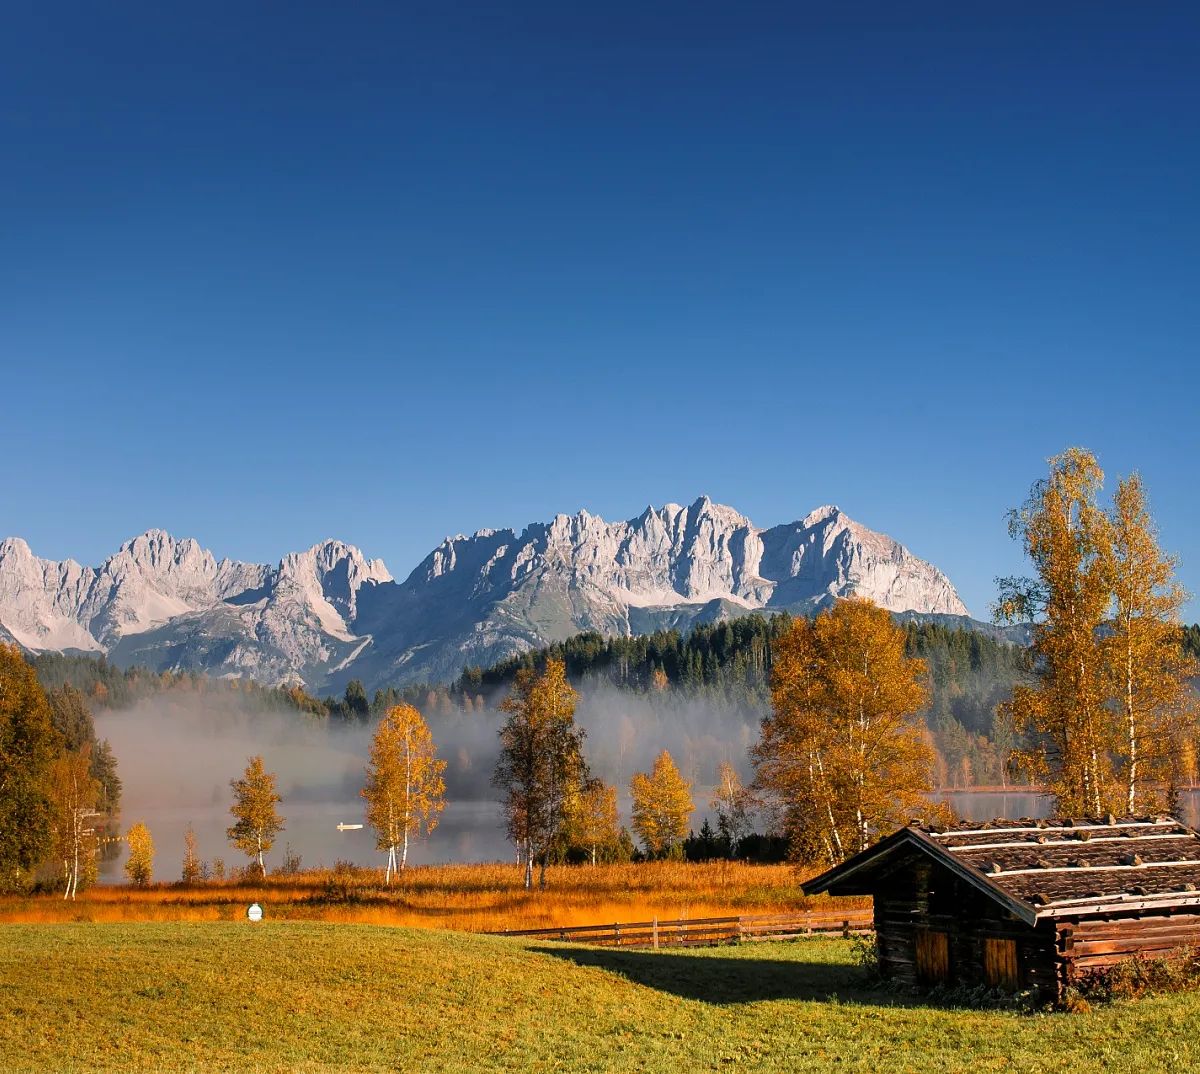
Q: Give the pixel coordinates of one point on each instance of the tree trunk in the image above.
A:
(404, 852)
(528, 865)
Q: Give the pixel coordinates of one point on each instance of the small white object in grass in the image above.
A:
(255, 912)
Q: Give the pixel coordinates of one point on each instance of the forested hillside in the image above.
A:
(729, 663)
(725, 664)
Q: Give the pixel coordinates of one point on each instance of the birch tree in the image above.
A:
(592, 817)
(843, 751)
(405, 789)
(193, 868)
(541, 761)
(139, 866)
(733, 804)
(1148, 672)
(74, 794)
(1065, 718)
(257, 822)
(662, 807)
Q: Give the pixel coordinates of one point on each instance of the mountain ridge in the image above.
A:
(328, 613)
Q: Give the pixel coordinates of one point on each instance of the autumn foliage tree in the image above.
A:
(662, 807)
(256, 821)
(842, 749)
(591, 820)
(405, 790)
(1149, 674)
(139, 866)
(1064, 717)
(1108, 725)
(541, 763)
(74, 796)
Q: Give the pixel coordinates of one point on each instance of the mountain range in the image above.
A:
(329, 614)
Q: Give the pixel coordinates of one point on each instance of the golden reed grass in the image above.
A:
(471, 898)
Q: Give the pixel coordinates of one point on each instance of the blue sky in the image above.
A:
(393, 271)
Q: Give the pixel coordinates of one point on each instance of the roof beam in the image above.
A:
(1126, 839)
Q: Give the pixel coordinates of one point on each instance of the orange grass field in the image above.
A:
(471, 898)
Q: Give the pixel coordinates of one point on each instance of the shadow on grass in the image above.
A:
(734, 980)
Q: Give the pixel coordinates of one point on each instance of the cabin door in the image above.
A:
(933, 956)
(1000, 964)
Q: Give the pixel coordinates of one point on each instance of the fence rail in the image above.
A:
(707, 931)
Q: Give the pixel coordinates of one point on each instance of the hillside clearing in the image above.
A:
(311, 997)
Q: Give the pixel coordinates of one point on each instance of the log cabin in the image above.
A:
(1025, 905)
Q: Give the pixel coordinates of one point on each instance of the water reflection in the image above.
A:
(467, 832)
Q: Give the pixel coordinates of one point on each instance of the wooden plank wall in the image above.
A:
(1094, 944)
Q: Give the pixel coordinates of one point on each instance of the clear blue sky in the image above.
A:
(277, 272)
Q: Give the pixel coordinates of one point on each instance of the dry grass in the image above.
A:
(315, 999)
(470, 898)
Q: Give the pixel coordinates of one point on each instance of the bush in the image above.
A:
(1138, 976)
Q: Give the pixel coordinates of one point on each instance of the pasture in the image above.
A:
(469, 898)
(317, 997)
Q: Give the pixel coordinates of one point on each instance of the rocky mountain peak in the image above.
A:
(328, 613)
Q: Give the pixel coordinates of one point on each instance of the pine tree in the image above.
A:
(405, 789)
(139, 866)
(257, 822)
(662, 806)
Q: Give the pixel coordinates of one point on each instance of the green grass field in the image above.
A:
(301, 997)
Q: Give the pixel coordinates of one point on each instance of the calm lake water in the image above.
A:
(176, 761)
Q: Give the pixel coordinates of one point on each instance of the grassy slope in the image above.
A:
(302, 997)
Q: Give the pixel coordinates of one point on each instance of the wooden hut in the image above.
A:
(1026, 904)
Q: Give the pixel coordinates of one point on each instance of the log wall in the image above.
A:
(1095, 943)
(918, 902)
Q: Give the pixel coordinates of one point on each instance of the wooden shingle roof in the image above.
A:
(1049, 868)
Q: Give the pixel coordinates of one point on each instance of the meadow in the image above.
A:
(469, 898)
(318, 997)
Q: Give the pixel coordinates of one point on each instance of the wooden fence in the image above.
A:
(708, 931)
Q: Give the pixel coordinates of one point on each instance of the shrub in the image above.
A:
(1139, 976)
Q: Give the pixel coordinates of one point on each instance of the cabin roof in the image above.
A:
(1041, 869)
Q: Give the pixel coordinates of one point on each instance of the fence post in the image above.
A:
(845, 930)
(617, 933)
(656, 932)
